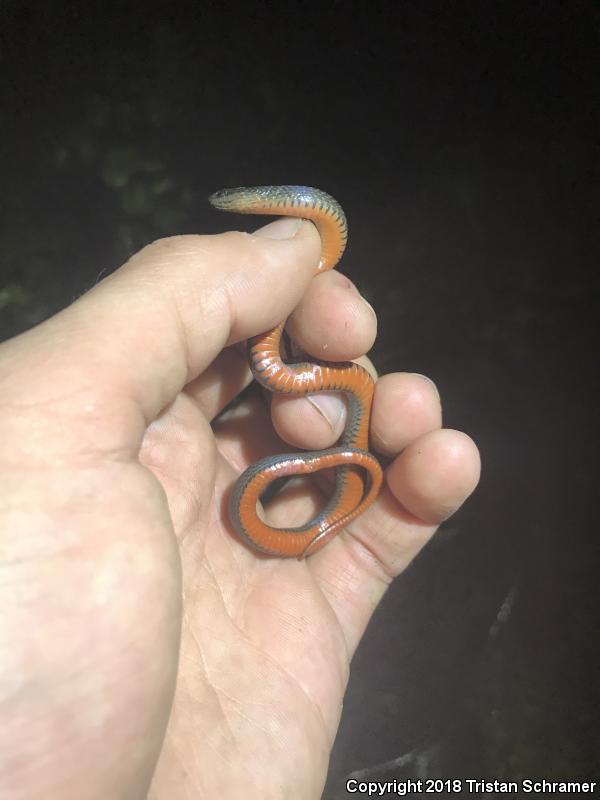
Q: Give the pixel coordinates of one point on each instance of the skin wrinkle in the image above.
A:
(294, 681)
(233, 552)
(344, 663)
(363, 538)
(229, 611)
(182, 349)
(180, 345)
(339, 588)
(195, 506)
(263, 269)
(184, 344)
(365, 560)
(242, 631)
(238, 282)
(235, 460)
(230, 290)
(206, 314)
(318, 408)
(215, 694)
(253, 722)
(368, 561)
(237, 705)
(150, 260)
(155, 467)
(221, 301)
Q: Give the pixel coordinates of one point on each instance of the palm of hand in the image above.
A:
(264, 660)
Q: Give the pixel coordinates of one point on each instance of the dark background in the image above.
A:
(461, 141)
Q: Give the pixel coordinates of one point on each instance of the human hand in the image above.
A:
(122, 581)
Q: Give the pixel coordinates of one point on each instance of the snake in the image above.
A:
(358, 474)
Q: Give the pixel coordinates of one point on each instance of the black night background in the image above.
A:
(461, 140)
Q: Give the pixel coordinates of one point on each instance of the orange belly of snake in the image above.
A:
(358, 475)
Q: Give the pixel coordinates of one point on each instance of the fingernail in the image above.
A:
(369, 306)
(354, 289)
(328, 406)
(426, 378)
(285, 228)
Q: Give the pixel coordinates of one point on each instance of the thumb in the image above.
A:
(138, 337)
